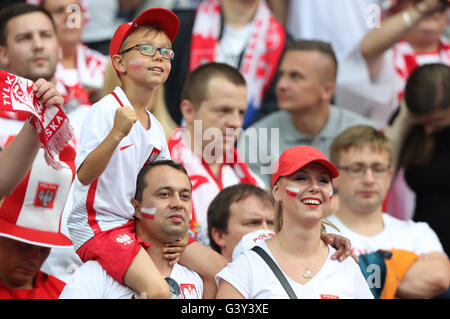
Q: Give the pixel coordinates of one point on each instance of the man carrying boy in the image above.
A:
(165, 187)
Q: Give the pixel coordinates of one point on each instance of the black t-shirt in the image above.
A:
(431, 183)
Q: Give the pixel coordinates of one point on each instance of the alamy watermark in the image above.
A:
(74, 20)
(259, 146)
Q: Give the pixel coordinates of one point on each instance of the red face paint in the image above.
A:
(135, 64)
(292, 191)
(148, 213)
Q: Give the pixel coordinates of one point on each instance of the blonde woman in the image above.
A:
(302, 188)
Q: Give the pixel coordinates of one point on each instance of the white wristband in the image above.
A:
(407, 18)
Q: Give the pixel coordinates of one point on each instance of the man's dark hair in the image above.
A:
(15, 10)
(196, 84)
(219, 208)
(140, 182)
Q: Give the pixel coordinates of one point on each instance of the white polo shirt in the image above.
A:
(254, 279)
(105, 203)
(91, 281)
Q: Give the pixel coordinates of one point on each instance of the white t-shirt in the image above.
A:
(105, 203)
(331, 20)
(412, 236)
(254, 279)
(232, 44)
(91, 281)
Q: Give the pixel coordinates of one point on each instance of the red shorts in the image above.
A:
(114, 249)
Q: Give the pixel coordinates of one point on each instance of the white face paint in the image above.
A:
(148, 213)
(136, 64)
(294, 191)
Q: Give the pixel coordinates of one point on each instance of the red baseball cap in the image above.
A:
(162, 18)
(32, 212)
(294, 158)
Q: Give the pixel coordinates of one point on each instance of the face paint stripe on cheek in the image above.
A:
(292, 191)
(135, 64)
(148, 213)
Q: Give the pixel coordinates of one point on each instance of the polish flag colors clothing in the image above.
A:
(254, 279)
(51, 122)
(261, 54)
(91, 281)
(88, 74)
(45, 287)
(416, 237)
(406, 60)
(205, 185)
(379, 97)
(105, 203)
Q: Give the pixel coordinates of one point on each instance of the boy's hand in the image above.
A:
(124, 119)
(173, 250)
(47, 93)
(341, 244)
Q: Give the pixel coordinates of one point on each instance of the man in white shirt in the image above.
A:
(163, 208)
(363, 157)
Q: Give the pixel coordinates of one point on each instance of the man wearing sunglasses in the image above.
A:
(163, 209)
(412, 263)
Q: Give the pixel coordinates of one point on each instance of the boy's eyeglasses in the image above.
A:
(150, 50)
(358, 170)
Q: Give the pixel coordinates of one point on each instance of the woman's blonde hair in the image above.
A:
(158, 107)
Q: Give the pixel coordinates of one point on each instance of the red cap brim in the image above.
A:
(293, 159)
(161, 18)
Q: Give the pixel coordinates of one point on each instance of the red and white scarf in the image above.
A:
(407, 60)
(88, 75)
(51, 122)
(261, 56)
(205, 185)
